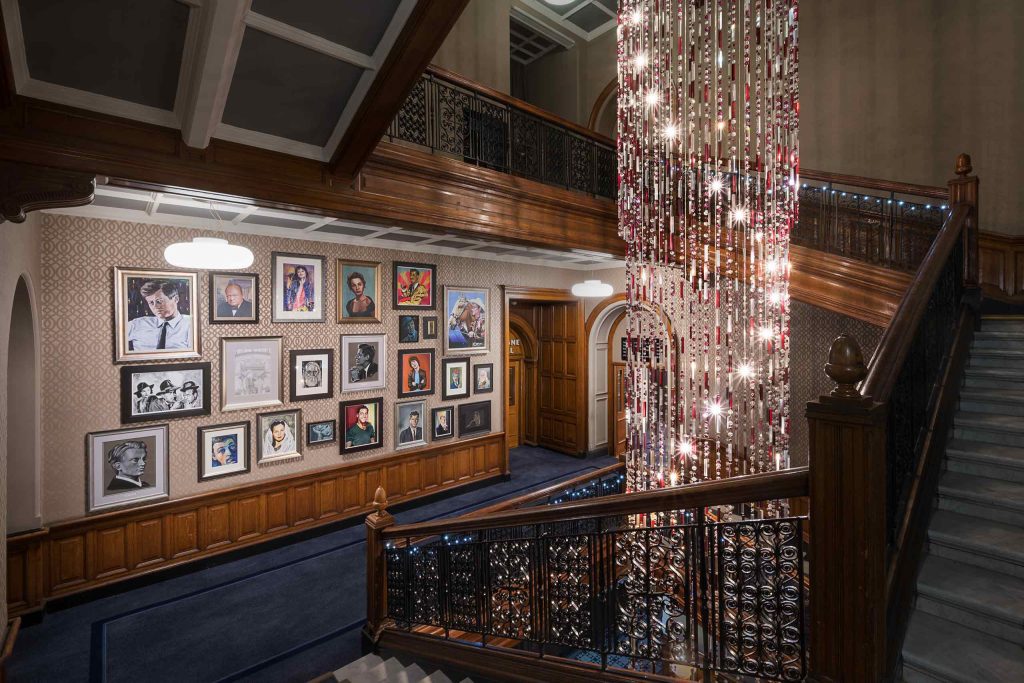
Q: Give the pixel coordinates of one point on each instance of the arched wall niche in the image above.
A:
(22, 400)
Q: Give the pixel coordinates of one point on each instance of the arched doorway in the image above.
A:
(22, 416)
(520, 403)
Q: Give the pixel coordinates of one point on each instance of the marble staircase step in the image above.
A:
(937, 649)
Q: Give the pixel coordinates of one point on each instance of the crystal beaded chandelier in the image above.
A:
(708, 170)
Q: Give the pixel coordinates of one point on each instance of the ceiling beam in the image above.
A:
(308, 40)
(424, 31)
(222, 25)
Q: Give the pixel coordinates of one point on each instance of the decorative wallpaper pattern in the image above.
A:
(81, 383)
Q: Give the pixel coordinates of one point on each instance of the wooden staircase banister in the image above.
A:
(930, 191)
(791, 483)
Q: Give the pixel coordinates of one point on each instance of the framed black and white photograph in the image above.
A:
(429, 327)
(298, 282)
(127, 467)
(223, 450)
(483, 378)
(362, 424)
(155, 315)
(474, 418)
(443, 421)
(415, 372)
(234, 298)
(250, 372)
(311, 374)
(466, 310)
(359, 291)
(454, 378)
(361, 358)
(278, 435)
(161, 392)
(408, 329)
(409, 427)
(319, 433)
(415, 286)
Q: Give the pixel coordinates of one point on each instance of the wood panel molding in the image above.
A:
(1002, 266)
(25, 187)
(86, 553)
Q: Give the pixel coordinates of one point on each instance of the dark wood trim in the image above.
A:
(595, 111)
(930, 191)
(81, 554)
(1001, 266)
(25, 187)
(529, 379)
(13, 628)
(422, 35)
(599, 309)
(789, 483)
(8, 89)
(516, 103)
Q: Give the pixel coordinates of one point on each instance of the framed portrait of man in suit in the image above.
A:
(234, 298)
(127, 467)
(362, 361)
(155, 315)
(410, 428)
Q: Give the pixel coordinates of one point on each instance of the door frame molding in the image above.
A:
(612, 386)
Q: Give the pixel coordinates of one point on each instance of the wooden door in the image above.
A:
(514, 428)
(562, 355)
(618, 402)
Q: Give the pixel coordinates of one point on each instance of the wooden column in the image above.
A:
(847, 518)
(24, 188)
(964, 190)
(376, 566)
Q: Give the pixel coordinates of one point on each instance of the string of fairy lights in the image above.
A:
(708, 176)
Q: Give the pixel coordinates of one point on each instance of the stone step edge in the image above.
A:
(948, 541)
(980, 456)
(969, 606)
(961, 494)
(960, 422)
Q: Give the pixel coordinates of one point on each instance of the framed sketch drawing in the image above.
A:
(474, 418)
(362, 424)
(415, 285)
(311, 374)
(223, 450)
(250, 372)
(154, 315)
(319, 433)
(466, 311)
(298, 284)
(234, 298)
(443, 421)
(127, 467)
(358, 291)
(409, 419)
(279, 434)
(361, 355)
(415, 372)
(454, 378)
(159, 392)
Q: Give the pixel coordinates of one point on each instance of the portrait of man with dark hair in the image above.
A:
(166, 327)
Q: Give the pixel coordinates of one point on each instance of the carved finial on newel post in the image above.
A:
(963, 165)
(845, 366)
(380, 500)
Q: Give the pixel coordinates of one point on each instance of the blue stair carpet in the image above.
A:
(290, 613)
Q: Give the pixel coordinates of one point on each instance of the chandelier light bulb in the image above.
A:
(652, 98)
(640, 61)
(746, 370)
(766, 333)
(208, 253)
(716, 186)
(739, 215)
(671, 131)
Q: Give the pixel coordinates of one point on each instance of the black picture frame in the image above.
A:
(327, 380)
(408, 329)
(474, 418)
(476, 377)
(396, 267)
(429, 327)
(343, 406)
(434, 412)
(129, 393)
(403, 375)
(310, 441)
(211, 291)
(446, 390)
(201, 431)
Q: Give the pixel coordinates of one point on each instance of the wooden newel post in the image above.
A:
(376, 566)
(847, 519)
(964, 190)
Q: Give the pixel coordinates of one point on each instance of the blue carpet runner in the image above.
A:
(287, 614)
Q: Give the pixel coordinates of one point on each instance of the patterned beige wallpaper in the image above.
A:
(81, 383)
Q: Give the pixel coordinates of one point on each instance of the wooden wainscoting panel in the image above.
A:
(147, 545)
(246, 518)
(216, 525)
(185, 533)
(111, 555)
(67, 568)
(277, 510)
(328, 504)
(350, 488)
(1001, 262)
(303, 504)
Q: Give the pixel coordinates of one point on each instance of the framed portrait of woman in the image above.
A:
(415, 372)
(298, 283)
(279, 435)
(466, 328)
(358, 291)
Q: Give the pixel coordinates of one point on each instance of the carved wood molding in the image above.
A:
(81, 554)
(1002, 266)
(24, 188)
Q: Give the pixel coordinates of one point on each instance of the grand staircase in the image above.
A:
(968, 622)
(375, 669)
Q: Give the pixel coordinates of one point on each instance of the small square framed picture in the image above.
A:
(358, 291)
(429, 327)
(127, 467)
(415, 285)
(234, 298)
(318, 433)
(279, 435)
(415, 372)
(443, 421)
(408, 329)
(362, 423)
(474, 418)
(483, 378)
(361, 355)
(454, 378)
(297, 281)
(168, 390)
(311, 374)
(223, 450)
(409, 420)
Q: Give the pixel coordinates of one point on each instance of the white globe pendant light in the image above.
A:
(592, 289)
(208, 253)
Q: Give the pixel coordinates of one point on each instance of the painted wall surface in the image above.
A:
(81, 384)
(568, 82)
(478, 45)
(897, 89)
(19, 256)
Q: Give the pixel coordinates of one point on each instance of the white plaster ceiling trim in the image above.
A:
(546, 30)
(308, 40)
(274, 143)
(543, 10)
(112, 106)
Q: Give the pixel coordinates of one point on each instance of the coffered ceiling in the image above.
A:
(586, 19)
(293, 76)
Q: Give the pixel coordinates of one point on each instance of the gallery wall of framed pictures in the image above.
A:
(247, 390)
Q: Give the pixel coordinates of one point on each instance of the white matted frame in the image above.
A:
(250, 372)
(357, 376)
(109, 483)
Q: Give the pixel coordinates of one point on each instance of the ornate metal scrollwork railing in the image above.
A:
(454, 117)
(665, 590)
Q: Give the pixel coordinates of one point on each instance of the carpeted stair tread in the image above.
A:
(1011, 397)
(979, 590)
(1007, 456)
(1009, 353)
(982, 372)
(982, 489)
(952, 652)
(985, 421)
(1004, 542)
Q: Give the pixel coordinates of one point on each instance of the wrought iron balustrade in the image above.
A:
(450, 118)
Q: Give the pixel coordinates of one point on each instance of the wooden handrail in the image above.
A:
(930, 191)
(515, 103)
(791, 483)
(895, 343)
